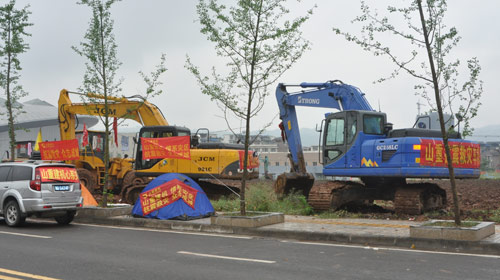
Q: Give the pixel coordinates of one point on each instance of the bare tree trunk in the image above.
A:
(456, 206)
(12, 131)
(249, 108)
(106, 118)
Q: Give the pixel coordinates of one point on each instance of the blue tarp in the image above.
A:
(179, 209)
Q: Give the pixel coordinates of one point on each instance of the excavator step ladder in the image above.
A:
(100, 176)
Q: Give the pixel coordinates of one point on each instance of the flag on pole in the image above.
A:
(115, 129)
(85, 140)
(38, 140)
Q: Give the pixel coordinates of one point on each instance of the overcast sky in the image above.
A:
(146, 28)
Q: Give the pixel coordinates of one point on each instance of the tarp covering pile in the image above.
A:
(173, 196)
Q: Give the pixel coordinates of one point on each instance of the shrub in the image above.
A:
(261, 197)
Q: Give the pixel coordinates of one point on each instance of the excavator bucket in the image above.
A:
(289, 182)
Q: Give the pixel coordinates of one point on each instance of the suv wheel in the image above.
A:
(66, 219)
(12, 214)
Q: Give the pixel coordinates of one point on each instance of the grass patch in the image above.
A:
(451, 224)
(339, 214)
(261, 197)
(490, 175)
(495, 217)
(237, 213)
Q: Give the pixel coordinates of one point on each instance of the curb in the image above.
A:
(114, 217)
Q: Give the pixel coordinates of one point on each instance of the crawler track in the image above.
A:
(418, 198)
(408, 198)
(328, 196)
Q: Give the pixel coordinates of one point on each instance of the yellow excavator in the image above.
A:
(213, 161)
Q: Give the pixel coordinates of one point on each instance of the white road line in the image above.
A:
(396, 249)
(171, 231)
(26, 235)
(225, 257)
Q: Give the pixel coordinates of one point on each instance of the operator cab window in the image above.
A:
(98, 143)
(157, 134)
(335, 132)
(373, 124)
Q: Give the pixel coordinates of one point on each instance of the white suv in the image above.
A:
(35, 188)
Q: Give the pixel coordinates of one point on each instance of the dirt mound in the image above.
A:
(474, 194)
(479, 200)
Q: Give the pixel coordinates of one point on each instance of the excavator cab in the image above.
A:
(345, 131)
(156, 132)
(95, 147)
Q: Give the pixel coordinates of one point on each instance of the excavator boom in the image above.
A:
(142, 111)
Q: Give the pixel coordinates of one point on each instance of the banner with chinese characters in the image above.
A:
(59, 150)
(166, 147)
(463, 155)
(166, 194)
(64, 174)
(253, 162)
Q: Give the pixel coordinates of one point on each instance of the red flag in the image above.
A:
(115, 129)
(85, 140)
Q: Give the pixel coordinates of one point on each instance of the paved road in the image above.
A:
(97, 252)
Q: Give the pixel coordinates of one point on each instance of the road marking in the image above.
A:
(395, 249)
(3, 277)
(172, 231)
(22, 274)
(225, 257)
(25, 235)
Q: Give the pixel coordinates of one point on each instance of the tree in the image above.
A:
(259, 45)
(99, 49)
(153, 86)
(12, 32)
(153, 82)
(437, 73)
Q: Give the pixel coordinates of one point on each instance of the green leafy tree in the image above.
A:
(13, 24)
(153, 81)
(260, 44)
(153, 86)
(100, 50)
(429, 60)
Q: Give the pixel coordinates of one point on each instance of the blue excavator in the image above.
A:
(358, 142)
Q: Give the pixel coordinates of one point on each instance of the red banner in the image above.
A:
(59, 150)
(166, 147)
(65, 174)
(463, 155)
(253, 162)
(166, 194)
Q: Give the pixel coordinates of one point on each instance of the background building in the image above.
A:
(34, 115)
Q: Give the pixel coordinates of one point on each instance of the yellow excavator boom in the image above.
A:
(142, 111)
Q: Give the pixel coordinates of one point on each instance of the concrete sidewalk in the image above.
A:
(366, 232)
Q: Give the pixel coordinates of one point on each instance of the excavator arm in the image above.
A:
(142, 111)
(332, 94)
